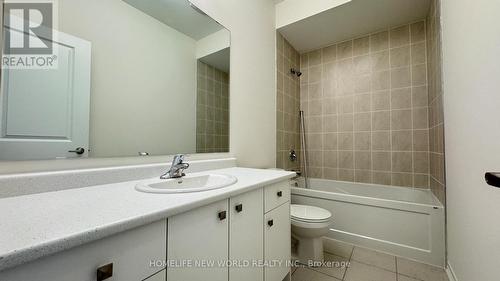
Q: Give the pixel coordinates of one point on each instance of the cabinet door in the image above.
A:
(130, 252)
(195, 240)
(277, 242)
(246, 237)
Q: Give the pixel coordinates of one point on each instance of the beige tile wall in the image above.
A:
(288, 105)
(212, 110)
(436, 123)
(366, 105)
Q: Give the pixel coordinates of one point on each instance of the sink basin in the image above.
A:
(192, 183)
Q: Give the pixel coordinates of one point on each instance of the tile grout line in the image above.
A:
(337, 111)
(412, 117)
(390, 107)
(350, 258)
(371, 114)
(376, 266)
(397, 273)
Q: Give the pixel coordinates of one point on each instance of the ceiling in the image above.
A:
(352, 19)
(219, 60)
(178, 15)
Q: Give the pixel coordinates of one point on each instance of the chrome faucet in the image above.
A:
(177, 169)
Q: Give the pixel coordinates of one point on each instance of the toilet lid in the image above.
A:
(309, 213)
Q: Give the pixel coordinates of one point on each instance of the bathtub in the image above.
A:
(397, 220)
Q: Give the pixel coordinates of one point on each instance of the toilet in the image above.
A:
(309, 225)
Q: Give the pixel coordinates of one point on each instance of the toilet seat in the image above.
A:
(309, 214)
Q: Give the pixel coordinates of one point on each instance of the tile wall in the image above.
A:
(288, 105)
(212, 110)
(436, 122)
(366, 105)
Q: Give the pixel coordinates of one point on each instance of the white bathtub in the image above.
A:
(401, 221)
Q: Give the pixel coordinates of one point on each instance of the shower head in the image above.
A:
(295, 72)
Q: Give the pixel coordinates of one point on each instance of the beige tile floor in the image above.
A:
(367, 265)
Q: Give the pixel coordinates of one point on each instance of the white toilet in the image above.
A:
(309, 225)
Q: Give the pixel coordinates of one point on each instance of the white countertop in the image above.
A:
(37, 225)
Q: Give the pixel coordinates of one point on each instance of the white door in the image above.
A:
(44, 114)
(246, 237)
(471, 56)
(195, 240)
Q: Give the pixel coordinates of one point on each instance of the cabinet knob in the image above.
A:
(270, 223)
(239, 208)
(104, 272)
(280, 193)
(222, 215)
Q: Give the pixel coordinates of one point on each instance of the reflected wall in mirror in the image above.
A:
(132, 77)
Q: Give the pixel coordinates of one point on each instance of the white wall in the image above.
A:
(290, 11)
(143, 79)
(471, 55)
(253, 72)
(213, 43)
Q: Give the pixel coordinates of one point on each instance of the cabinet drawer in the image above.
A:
(276, 194)
(130, 252)
(277, 242)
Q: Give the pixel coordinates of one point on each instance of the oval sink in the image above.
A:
(193, 183)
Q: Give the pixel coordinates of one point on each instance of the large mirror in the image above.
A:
(112, 78)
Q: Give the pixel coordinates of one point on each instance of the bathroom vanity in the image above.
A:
(240, 232)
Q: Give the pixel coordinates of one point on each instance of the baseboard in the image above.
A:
(451, 273)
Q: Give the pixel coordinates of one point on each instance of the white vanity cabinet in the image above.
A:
(130, 253)
(212, 242)
(229, 230)
(255, 227)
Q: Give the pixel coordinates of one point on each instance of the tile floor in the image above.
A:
(366, 265)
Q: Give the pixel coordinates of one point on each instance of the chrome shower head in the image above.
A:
(295, 72)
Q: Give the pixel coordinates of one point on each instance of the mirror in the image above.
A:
(112, 78)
